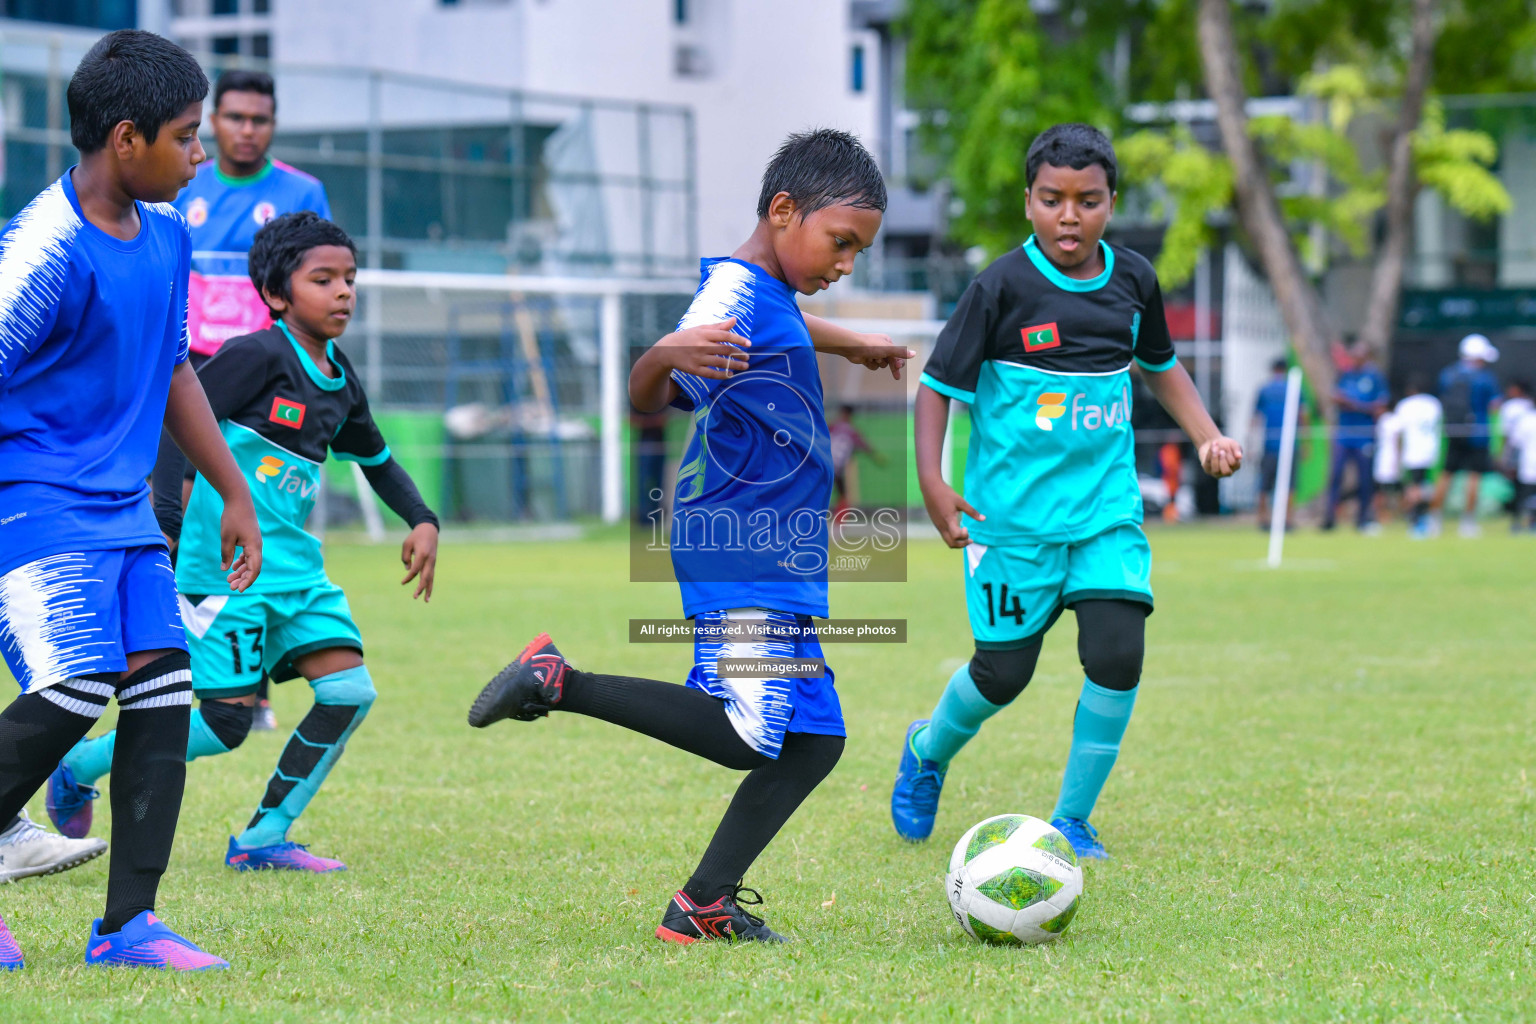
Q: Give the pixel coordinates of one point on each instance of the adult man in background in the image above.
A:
(229, 201)
(1469, 392)
(225, 205)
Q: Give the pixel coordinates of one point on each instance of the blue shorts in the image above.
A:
(764, 708)
(1014, 593)
(238, 639)
(83, 612)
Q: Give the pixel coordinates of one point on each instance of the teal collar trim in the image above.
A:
(322, 382)
(1070, 284)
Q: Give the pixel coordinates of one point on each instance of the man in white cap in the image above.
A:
(1468, 394)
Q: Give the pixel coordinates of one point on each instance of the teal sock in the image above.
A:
(201, 741)
(342, 699)
(1097, 728)
(91, 759)
(955, 720)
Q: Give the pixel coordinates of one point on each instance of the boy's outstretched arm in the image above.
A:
(191, 424)
(418, 554)
(710, 351)
(944, 505)
(875, 351)
(1219, 454)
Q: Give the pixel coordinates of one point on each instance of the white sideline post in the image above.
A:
(611, 396)
(1282, 495)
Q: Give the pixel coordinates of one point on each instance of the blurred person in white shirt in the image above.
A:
(1419, 424)
(1387, 467)
(1517, 417)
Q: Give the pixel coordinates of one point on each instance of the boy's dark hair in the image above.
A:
(1279, 365)
(241, 80)
(280, 246)
(131, 75)
(821, 168)
(1070, 145)
(1415, 385)
(1523, 384)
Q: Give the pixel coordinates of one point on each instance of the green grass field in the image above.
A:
(1323, 811)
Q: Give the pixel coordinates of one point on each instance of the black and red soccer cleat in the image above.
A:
(687, 922)
(526, 689)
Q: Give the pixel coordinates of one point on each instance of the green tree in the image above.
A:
(989, 74)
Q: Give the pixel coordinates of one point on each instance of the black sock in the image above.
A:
(35, 732)
(686, 718)
(149, 772)
(761, 806)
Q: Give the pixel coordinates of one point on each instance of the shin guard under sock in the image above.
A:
(35, 732)
(1097, 728)
(342, 700)
(959, 713)
(762, 804)
(215, 729)
(149, 772)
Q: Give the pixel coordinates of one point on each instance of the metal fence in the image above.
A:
(426, 174)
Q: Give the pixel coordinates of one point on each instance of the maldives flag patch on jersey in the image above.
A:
(289, 414)
(1041, 336)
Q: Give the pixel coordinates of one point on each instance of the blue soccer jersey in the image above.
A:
(224, 215)
(1270, 404)
(91, 328)
(1044, 362)
(749, 525)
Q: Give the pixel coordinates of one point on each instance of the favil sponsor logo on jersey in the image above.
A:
(263, 212)
(268, 468)
(1053, 406)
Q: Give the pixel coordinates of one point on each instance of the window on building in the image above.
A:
(261, 45)
(226, 44)
(857, 69)
(102, 14)
(261, 6)
(680, 12)
(223, 7)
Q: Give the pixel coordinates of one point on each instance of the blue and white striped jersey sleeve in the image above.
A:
(34, 265)
(727, 292)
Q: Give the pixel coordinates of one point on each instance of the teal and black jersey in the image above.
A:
(280, 416)
(1044, 361)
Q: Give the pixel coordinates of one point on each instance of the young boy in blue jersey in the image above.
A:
(1040, 348)
(284, 397)
(749, 534)
(93, 355)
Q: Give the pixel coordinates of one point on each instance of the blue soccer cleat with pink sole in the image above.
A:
(281, 857)
(10, 953)
(145, 941)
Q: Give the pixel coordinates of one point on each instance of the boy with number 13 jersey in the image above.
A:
(1040, 348)
(284, 397)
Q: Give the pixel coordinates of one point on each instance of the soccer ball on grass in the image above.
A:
(1013, 880)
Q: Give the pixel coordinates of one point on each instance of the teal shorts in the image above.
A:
(1015, 593)
(236, 639)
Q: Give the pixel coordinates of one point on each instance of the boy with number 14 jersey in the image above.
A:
(1040, 348)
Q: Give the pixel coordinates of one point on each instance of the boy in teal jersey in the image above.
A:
(284, 397)
(1040, 348)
